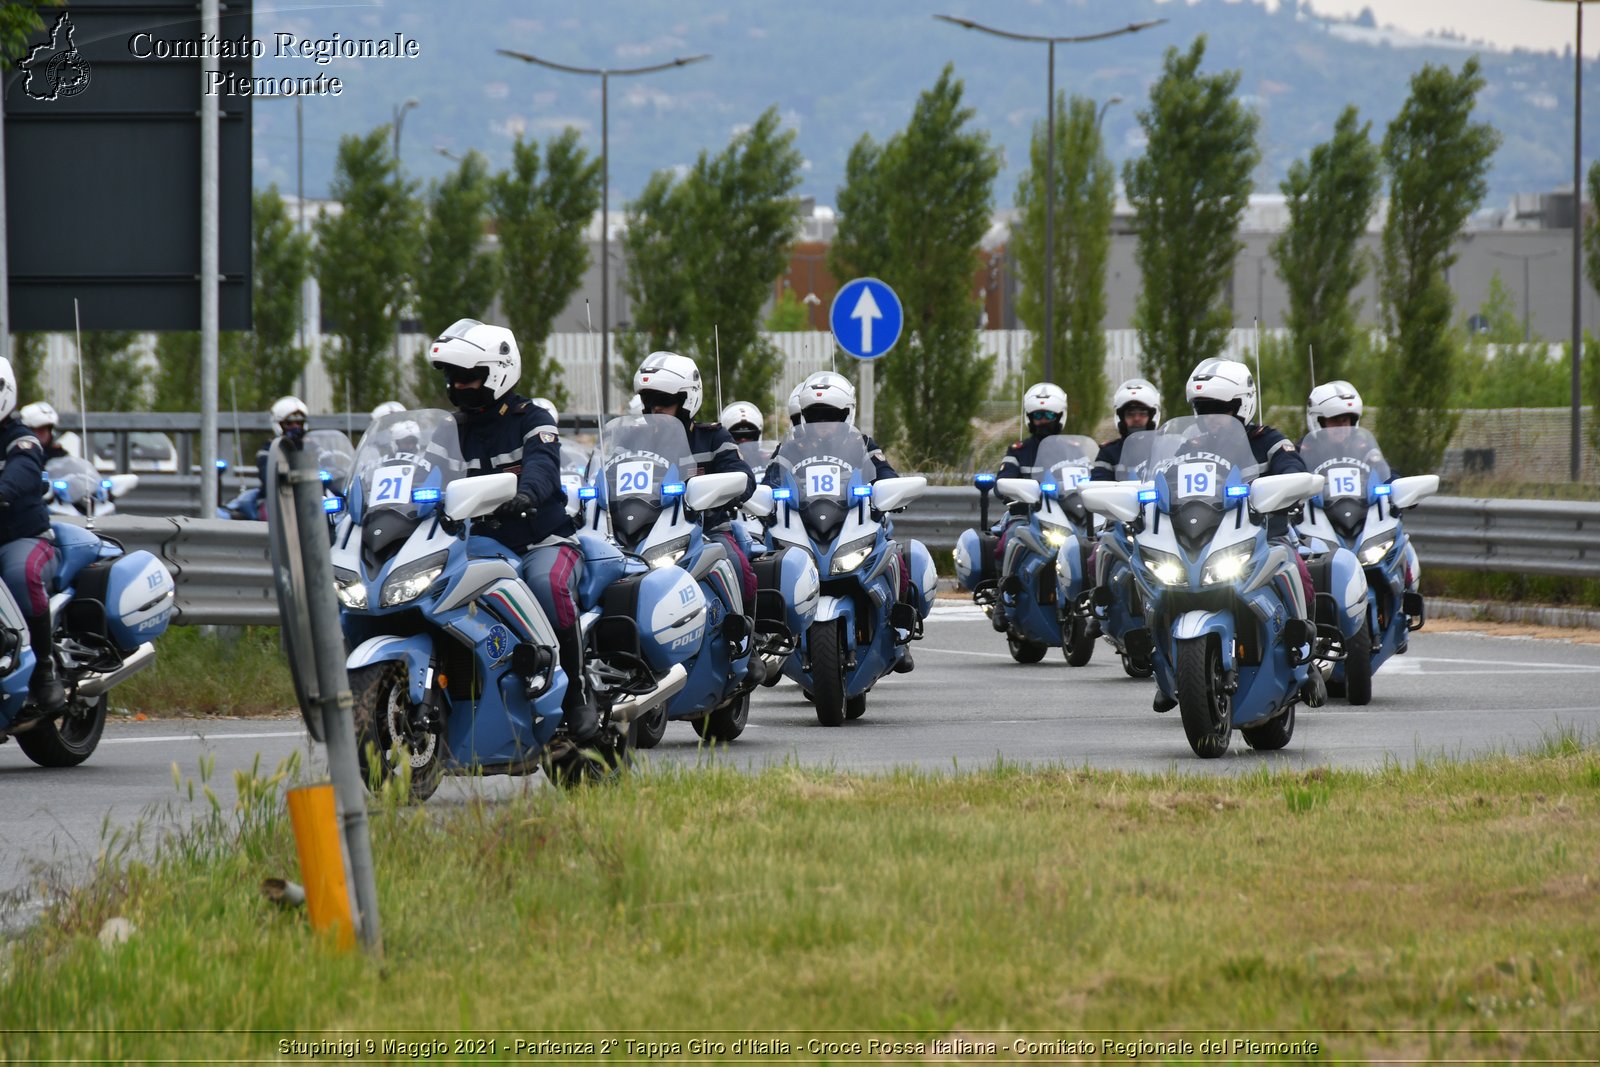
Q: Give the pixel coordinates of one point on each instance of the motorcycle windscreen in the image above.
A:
(1134, 466)
(641, 455)
(823, 463)
(75, 481)
(1352, 464)
(336, 457)
(1202, 466)
(1064, 461)
(404, 463)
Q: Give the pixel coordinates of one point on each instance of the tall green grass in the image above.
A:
(211, 671)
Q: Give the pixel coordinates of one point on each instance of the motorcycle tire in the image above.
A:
(602, 760)
(69, 738)
(1135, 670)
(1025, 651)
(724, 723)
(1079, 645)
(1272, 734)
(649, 728)
(827, 671)
(1358, 669)
(1207, 711)
(381, 703)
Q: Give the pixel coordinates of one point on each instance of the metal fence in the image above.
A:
(223, 575)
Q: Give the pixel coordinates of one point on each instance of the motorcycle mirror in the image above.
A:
(471, 498)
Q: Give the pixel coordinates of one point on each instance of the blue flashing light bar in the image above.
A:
(326, 476)
(856, 490)
(424, 496)
(1382, 490)
(1048, 487)
(1237, 490)
(332, 505)
(222, 464)
(1147, 496)
(983, 479)
(782, 494)
(587, 492)
(672, 489)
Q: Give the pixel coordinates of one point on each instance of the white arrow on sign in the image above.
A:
(866, 310)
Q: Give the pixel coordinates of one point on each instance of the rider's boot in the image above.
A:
(577, 706)
(1315, 691)
(48, 697)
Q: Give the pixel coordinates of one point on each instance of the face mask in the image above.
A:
(474, 399)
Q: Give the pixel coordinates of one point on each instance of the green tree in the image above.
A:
(27, 363)
(1188, 191)
(456, 278)
(113, 378)
(542, 223)
(364, 255)
(912, 212)
(788, 314)
(703, 252)
(1085, 197)
(254, 368)
(1438, 162)
(19, 20)
(1330, 198)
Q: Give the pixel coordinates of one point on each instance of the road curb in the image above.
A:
(1494, 611)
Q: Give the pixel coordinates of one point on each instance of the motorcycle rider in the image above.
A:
(1044, 411)
(794, 404)
(669, 384)
(1225, 387)
(1137, 405)
(503, 432)
(41, 418)
(27, 546)
(743, 421)
(388, 407)
(288, 415)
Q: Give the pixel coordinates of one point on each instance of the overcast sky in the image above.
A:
(1510, 23)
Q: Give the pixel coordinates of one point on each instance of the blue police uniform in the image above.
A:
(1021, 459)
(715, 452)
(27, 545)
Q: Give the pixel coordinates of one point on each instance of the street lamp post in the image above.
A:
(1527, 326)
(399, 318)
(604, 74)
(1050, 151)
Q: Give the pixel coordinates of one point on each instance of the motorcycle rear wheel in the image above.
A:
(1135, 670)
(1026, 651)
(1080, 638)
(827, 671)
(1273, 734)
(649, 728)
(69, 738)
(382, 708)
(1358, 669)
(602, 760)
(726, 722)
(1207, 711)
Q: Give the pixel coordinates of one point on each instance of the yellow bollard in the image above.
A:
(322, 866)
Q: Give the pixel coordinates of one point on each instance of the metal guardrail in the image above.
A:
(224, 577)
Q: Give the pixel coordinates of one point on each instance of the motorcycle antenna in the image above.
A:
(716, 345)
(600, 421)
(233, 398)
(83, 407)
(1311, 355)
(1260, 390)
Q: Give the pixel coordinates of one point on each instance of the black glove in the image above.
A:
(514, 508)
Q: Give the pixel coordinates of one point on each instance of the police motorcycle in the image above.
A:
(1030, 593)
(1114, 601)
(1216, 592)
(335, 462)
(646, 498)
(453, 664)
(825, 506)
(75, 487)
(1358, 554)
(574, 471)
(107, 608)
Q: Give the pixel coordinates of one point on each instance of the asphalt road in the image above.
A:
(966, 705)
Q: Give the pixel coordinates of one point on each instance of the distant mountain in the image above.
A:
(839, 68)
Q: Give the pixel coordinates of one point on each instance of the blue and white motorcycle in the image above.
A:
(648, 499)
(1030, 593)
(74, 487)
(1218, 594)
(1359, 556)
(1115, 600)
(453, 664)
(108, 606)
(335, 461)
(825, 505)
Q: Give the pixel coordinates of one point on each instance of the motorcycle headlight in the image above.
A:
(352, 590)
(850, 556)
(1227, 565)
(665, 555)
(1165, 567)
(1055, 536)
(410, 581)
(1374, 550)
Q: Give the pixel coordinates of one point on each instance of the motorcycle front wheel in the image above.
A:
(827, 670)
(1081, 636)
(387, 743)
(1206, 709)
(649, 728)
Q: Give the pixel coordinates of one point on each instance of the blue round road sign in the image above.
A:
(866, 318)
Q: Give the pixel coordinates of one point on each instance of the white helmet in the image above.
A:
(742, 413)
(635, 405)
(469, 345)
(8, 388)
(550, 406)
(1326, 400)
(794, 404)
(673, 375)
(1225, 380)
(825, 389)
(1136, 391)
(39, 415)
(286, 408)
(388, 407)
(1043, 396)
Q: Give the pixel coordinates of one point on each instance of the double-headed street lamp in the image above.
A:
(1050, 151)
(399, 319)
(604, 74)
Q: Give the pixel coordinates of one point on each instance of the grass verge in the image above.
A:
(211, 671)
(1449, 910)
(1512, 588)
